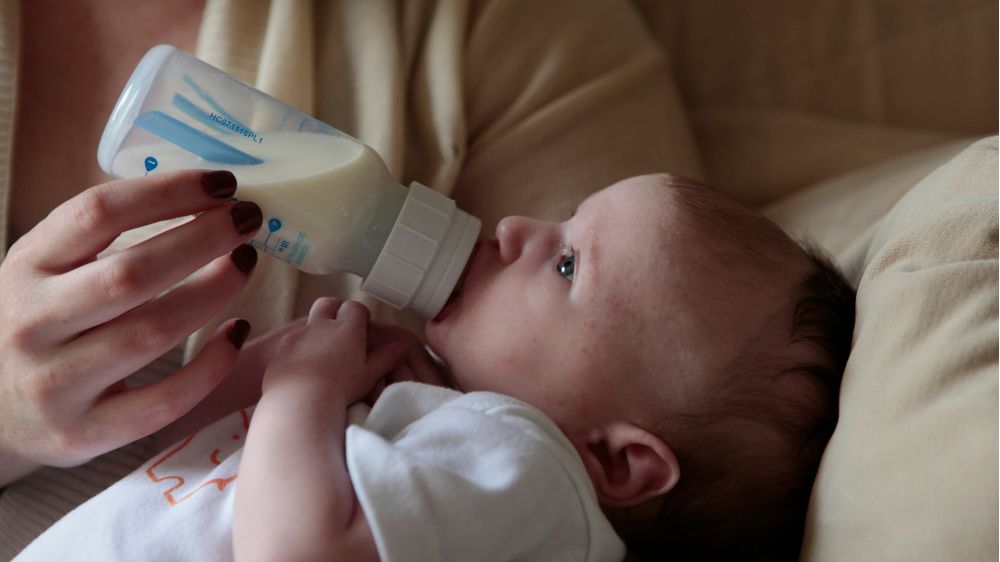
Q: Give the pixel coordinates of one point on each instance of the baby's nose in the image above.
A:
(511, 233)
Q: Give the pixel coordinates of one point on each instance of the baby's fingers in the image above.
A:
(375, 393)
(348, 320)
(423, 368)
(384, 366)
(129, 415)
(385, 360)
(325, 307)
(355, 315)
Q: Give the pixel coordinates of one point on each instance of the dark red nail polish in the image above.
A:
(238, 333)
(246, 217)
(245, 257)
(220, 184)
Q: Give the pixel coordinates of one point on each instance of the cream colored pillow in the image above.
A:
(911, 471)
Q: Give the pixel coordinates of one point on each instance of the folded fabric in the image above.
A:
(911, 470)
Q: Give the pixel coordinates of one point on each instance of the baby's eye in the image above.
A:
(566, 265)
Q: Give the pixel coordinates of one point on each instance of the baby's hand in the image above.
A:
(330, 353)
(417, 364)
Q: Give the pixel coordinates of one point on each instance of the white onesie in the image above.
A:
(440, 475)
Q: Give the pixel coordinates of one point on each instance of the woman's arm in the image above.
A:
(294, 498)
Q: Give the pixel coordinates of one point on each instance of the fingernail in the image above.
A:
(238, 333)
(220, 184)
(245, 257)
(246, 216)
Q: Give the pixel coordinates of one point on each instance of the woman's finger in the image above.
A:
(122, 281)
(80, 228)
(126, 416)
(127, 343)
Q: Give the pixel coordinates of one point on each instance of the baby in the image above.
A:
(666, 363)
(687, 349)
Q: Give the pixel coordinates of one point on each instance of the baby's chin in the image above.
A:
(442, 328)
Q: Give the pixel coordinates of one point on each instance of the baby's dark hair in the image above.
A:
(749, 452)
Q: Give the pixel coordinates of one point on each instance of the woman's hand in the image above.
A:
(331, 354)
(74, 326)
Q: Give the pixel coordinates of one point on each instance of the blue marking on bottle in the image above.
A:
(198, 114)
(211, 101)
(191, 139)
(273, 225)
(150, 164)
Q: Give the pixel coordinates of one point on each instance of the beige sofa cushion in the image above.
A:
(911, 471)
(781, 94)
(900, 63)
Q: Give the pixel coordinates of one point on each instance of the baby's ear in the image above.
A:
(627, 464)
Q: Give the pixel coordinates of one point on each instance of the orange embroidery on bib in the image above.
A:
(161, 471)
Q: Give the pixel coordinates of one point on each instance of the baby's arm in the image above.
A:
(294, 498)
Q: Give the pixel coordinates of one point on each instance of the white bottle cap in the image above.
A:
(425, 253)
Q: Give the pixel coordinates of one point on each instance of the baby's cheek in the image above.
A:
(585, 351)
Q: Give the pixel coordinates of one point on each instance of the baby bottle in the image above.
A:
(328, 201)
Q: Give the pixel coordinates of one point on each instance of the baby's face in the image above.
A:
(565, 315)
